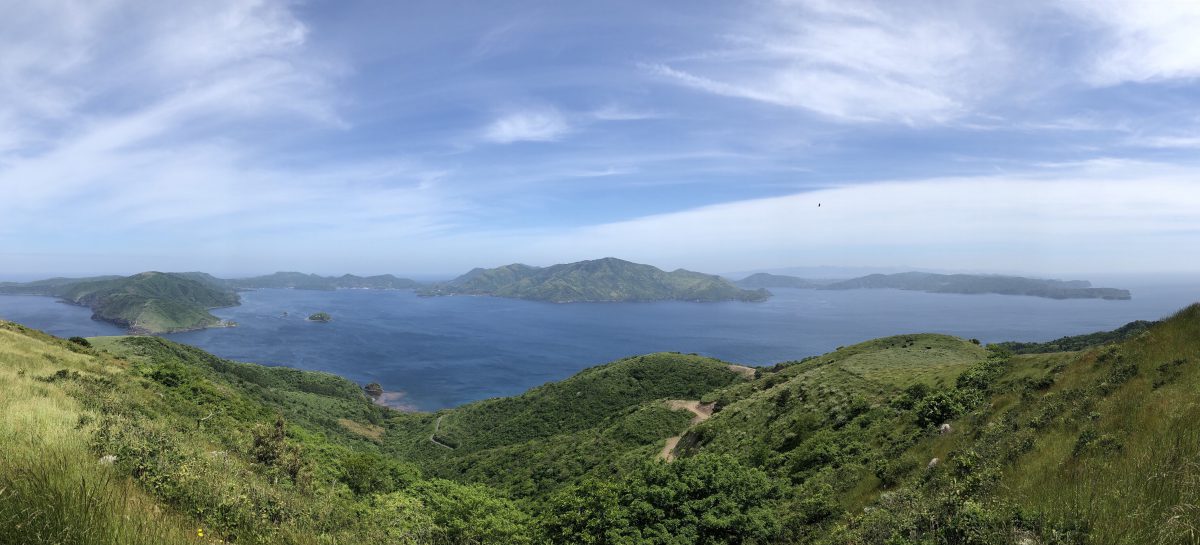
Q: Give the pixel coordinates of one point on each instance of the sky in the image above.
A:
(426, 138)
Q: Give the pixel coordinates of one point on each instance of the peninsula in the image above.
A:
(149, 303)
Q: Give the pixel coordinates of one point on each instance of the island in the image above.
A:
(320, 317)
(979, 283)
(599, 280)
(302, 281)
(155, 302)
(945, 283)
(145, 303)
(768, 280)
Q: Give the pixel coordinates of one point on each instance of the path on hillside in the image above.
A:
(437, 426)
(746, 372)
(701, 412)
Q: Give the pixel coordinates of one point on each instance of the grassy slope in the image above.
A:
(1122, 454)
(51, 489)
(1097, 446)
(555, 433)
(198, 444)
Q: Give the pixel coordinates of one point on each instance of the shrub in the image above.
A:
(938, 408)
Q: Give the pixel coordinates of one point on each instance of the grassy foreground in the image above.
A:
(913, 439)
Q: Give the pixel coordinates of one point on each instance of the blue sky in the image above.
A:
(1047, 137)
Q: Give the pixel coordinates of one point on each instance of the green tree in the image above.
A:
(706, 499)
(471, 514)
(400, 519)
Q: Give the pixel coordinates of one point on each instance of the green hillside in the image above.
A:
(151, 302)
(911, 439)
(600, 280)
(189, 443)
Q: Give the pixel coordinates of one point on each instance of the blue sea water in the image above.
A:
(445, 351)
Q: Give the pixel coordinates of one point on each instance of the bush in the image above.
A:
(703, 499)
(369, 473)
(938, 408)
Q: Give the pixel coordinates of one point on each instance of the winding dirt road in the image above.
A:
(437, 426)
(700, 412)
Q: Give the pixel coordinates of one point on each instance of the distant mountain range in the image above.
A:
(301, 281)
(946, 283)
(599, 280)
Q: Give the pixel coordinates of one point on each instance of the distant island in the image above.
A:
(598, 280)
(947, 283)
(149, 302)
(302, 281)
(768, 280)
(156, 302)
(320, 317)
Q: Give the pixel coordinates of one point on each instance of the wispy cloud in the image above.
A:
(259, 129)
(154, 134)
(1140, 41)
(531, 125)
(853, 61)
(613, 112)
(1167, 142)
(64, 73)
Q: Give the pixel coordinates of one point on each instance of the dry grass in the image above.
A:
(370, 431)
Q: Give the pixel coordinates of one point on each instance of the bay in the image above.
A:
(440, 352)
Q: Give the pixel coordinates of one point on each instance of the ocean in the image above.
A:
(439, 352)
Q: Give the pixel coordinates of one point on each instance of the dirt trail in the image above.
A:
(700, 412)
(746, 372)
(437, 426)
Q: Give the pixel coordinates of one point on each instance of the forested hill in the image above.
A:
(600, 280)
(911, 439)
(149, 302)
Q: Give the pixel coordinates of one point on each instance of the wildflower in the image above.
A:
(199, 532)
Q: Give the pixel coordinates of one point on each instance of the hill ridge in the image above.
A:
(599, 280)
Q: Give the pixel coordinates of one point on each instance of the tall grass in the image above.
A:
(52, 490)
(1147, 489)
